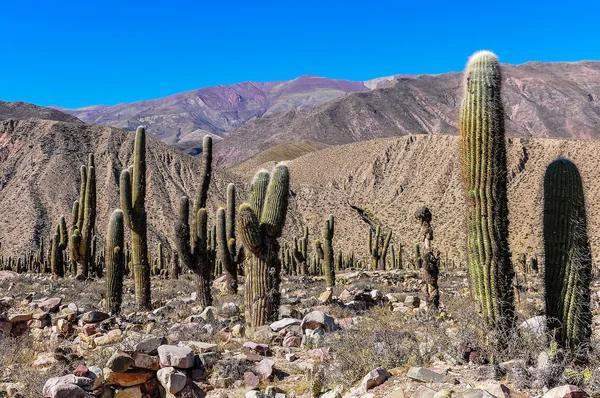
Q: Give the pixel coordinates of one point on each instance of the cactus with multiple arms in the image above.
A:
(483, 158)
(259, 225)
(133, 197)
(83, 224)
(231, 258)
(568, 256)
(193, 243)
(115, 262)
(378, 248)
(299, 252)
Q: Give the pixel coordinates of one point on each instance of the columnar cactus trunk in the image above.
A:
(83, 225)
(431, 262)
(227, 262)
(175, 270)
(193, 244)
(115, 262)
(259, 225)
(59, 244)
(483, 158)
(133, 204)
(568, 261)
(328, 265)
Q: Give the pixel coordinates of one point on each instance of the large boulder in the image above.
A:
(318, 319)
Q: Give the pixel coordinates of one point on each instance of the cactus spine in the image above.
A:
(328, 256)
(133, 197)
(193, 244)
(115, 262)
(83, 224)
(568, 268)
(483, 158)
(259, 225)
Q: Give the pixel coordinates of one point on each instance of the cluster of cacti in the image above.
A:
(568, 265)
(483, 158)
(83, 220)
(259, 225)
(378, 248)
(133, 197)
(193, 243)
(429, 261)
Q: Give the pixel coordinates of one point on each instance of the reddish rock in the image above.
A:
(81, 371)
(566, 391)
(50, 305)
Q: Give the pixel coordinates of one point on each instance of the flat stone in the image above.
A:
(131, 392)
(171, 379)
(399, 393)
(374, 378)
(201, 347)
(67, 391)
(566, 391)
(54, 382)
(284, 323)
(127, 379)
(145, 361)
(150, 346)
(428, 376)
(326, 297)
(111, 337)
(119, 362)
(50, 305)
(251, 380)
(94, 317)
(412, 301)
(209, 314)
(14, 318)
(423, 392)
(261, 349)
(177, 357)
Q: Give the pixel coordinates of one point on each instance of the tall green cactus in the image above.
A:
(568, 264)
(83, 224)
(259, 225)
(483, 157)
(59, 244)
(133, 205)
(378, 248)
(193, 244)
(175, 269)
(328, 256)
(429, 260)
(231, 258)
(115, 262)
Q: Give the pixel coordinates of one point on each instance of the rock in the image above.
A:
(131, 392)
(90, 329)
(127, 379)
(73, 307)
(150, 346)
(566, 391)
(111, 337)
(374, 378)
(67, 391)
(230, 309)
(291, 357)
(412, 301)
(291, 340)
(81, 371)
(428, 376)
(251, 380)
(261, 349)
(145, 361)
(423, 392)
(209, 314)
(8, 275)
(500, 390)
(222, 382)
(94, 317)
(97, 374)
(238, 331)
(177, 357)
(264, 369)
(255, 394)
(284, 323)
(54, 382)
(535, 325)
(399, 393)
(15, 318)
(201, 347)
(476, 393)
(543, 361)
(376, 295)
(5, 328)
(119, 362)
(331, 394)
(171, 379)
(318, 319)
(326, 297)
(50, 305)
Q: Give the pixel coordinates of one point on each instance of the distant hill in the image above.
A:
(541, 100)
(25, 110)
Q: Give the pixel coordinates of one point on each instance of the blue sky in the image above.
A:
(78, 53)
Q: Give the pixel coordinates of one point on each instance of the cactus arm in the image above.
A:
(248, 229)
(82, 188)
(258, 191)
(229, 268)
(125, 197)
(205, 175)
(62, 233)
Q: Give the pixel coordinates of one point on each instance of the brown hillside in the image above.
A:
(540, 99)
(390, 178)
(39, 178)
(25, 110)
